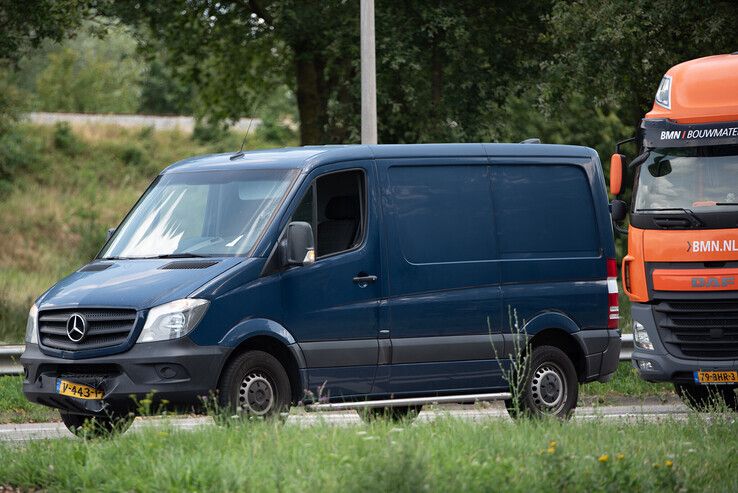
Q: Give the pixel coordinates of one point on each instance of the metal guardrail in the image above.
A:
(10, 355)
(10, 360)
(626, 347)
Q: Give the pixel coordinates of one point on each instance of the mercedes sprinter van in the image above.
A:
(380, 276)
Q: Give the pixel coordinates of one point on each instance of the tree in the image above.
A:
(616, 52)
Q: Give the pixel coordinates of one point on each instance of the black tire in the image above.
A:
(703, 398)
(254, 384)
(550, 388)
(396, 414)
(96, 426)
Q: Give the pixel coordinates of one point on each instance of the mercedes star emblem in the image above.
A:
(76, 327)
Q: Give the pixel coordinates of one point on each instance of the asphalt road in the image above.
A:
(40, 431)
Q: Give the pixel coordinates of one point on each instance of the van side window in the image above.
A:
(335, 208)
(544, 211)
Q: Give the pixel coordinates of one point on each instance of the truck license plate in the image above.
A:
(713, 377)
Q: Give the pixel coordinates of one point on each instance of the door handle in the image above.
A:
(363, 279)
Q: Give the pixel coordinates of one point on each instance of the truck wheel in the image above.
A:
(703, 398)
(254, 384)
(550, 388)
(95, 426)
(399, 413)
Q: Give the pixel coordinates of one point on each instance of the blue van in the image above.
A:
(380, 276)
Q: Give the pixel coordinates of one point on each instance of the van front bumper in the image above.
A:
(657, 365)
(174, 374)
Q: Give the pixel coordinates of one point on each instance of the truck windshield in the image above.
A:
(699, 179)
(213, 213)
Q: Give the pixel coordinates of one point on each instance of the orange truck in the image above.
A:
(681, 270)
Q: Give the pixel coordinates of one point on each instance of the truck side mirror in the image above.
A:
(298, 244)
(616, 173)
(618, 210)
(109, 234)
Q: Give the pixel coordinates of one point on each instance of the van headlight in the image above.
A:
(32, 326)
(640, 337)
(173, 320)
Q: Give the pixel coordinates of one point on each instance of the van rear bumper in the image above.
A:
(174, 374)
(601, 352)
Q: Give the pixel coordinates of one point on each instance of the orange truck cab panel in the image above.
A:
(681, 269)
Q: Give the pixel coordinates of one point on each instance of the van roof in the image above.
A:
(308, 157)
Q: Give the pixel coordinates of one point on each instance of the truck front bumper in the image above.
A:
(657, 365)
(169, 375)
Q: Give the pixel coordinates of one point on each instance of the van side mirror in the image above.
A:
(616, 173)
(109, 234)
(298, 245)
(618, 210)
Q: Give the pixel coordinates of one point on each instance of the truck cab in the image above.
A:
(681, 268)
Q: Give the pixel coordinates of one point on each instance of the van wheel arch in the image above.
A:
(564, 341)
(280, 351)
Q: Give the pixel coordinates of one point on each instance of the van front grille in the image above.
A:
(104, 328)
(704, 329)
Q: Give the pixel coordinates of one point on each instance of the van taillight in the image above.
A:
(613, 311)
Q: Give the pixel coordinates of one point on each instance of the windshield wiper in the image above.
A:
(726, 203)
(180, 255)
(696, 221)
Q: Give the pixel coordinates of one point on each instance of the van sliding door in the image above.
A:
(443, 308)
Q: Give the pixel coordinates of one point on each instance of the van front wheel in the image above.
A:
(549, 388)
(255, 384)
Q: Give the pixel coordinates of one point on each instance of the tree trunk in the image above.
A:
(311, 103)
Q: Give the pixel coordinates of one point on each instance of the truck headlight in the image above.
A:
(32, 326)
(173, 320)
(640, 337)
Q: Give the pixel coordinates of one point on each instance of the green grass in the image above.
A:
(626, 383)
(444, 455)
(15, 408)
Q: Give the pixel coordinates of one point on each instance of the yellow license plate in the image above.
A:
(716, 376)
(71, 389)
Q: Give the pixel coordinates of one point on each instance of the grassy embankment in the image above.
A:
(696, 454)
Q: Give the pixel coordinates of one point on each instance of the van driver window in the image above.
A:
(335, 210)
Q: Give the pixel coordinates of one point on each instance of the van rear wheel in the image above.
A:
(95, 426)
(703, 398)
(255, 384)
(550, 387)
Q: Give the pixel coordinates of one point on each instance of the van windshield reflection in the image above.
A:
(201, 214)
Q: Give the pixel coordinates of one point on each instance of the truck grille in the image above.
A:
(105, 328)
(705, 329)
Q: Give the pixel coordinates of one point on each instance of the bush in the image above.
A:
(20, 152)
(275, 132)
(133, 155)
(65, 140)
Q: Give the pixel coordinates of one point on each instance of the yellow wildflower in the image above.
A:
(552, 444)
(668, 463)
(620, 456)
(603, 458)
(551, 450)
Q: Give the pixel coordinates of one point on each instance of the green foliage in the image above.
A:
(64, 139)
(89, 74)
(693, 454)
(20, 153)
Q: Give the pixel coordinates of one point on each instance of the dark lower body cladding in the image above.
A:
(668, 361)
(602, 353)
(176, 375)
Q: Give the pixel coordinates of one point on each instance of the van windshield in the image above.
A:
(213, 213)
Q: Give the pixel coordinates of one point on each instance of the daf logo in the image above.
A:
(76, 327)
(712, 282)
